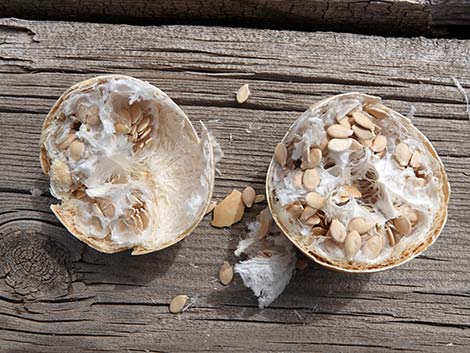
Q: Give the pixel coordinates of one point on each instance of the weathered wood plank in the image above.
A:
(66, 295)
(392, 17)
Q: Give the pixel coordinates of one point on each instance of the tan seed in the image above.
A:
(311, 179)
(121, 128)
(211, 207)
(323, 144)
(143, 124)
(377, 112)
(280, 154)
(373, 247)
(345, 122)
(145, 219)
(361, 225)
(107, 208)
(225, 273)
(315, 157)
(243, 93)
(298, 174)
(390, 236)
(315, 200)
(337, 231)
(339, 131)
(402, 225)
(379, 144)
(339, 145)
(413, 216)
(92, 116)
(363, 134)
(313, 221)
(402, 154)
(363, 120)
(307, 213)
(319, 231)
(367, 143)
(295, 209)
(64, 145)
(260, 198)
(177, 303)
(248, 196)
(415, 161)
(145, 134)
(95, 222)
(355, 145)
(352, 190)
(229, 211)
(352, 244)
(76, 150)
(136, 113)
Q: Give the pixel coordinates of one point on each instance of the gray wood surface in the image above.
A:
(391, 17)
(58, 295)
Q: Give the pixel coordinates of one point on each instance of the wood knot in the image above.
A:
(34, 265)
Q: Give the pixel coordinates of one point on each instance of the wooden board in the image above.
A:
(56, 292)
(391, 17)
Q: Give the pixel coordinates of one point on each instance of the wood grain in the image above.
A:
(391, 17)
(56, 292)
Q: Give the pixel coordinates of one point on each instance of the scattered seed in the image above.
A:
(229, 211)
(315, 200)
(379, 144)
(345, 122)
(295, 209)
(313, 221)
(280, 154)
(352, 244)
(390, 236)
(145, 134)
(337, 231)
(298, 174)
(415, 161)
(76, 149)
(367, 143)
(402, 154)
(402, 225)
(301, 265)
(363, 134)
(355, 145)
(361, 225)
(260, 198)
(310, 179)
(352, 190)
(377, 111)
(225, 273)
(315, 157)
(243, 93)
(373, 246)
(211, 207)
(339, 145)
(307, 213)
(339, 131)
(361, 119)
(177, 303)
(248, 196)
(143, 124)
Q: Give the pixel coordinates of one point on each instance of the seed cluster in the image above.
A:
(353, 134)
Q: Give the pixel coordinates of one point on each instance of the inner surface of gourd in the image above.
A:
(127, 162)
(352, 184)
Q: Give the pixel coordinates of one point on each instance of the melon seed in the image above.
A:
(339, 131)
(315, 200)
(379, 144)
(339, 145)
(229, 211)
(319, 231)
(260, 198)
(177, 303)
(243, 93)
(337, 231)
(313, 221)
(248, 196)
(390, 236)
(363, 134)
(310, 179)
(352, 244)
(225, 273)
(307, 213)
(377, 112)
(295, 209)
(76, 149)
(361, 119)
(361, 225)
(402, 225)
(345, 122)
(280, 154)
(355, 145)
(415, 161)
(402, 154)
(373, 246)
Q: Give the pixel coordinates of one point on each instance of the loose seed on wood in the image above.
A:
(361, 119)
(339, 131)
(280, 154)
(310, 179)
(260, 198)
(243, 93)
(225, 273)
(248, 196)
(337, 231)
(315, 200)
(402, 154)
(352, 244)
(363, 134)
(402, 225)
(229, 211)
(379, 144)
(177, 303)
(361, 225)
(76, 149)
(339, 145)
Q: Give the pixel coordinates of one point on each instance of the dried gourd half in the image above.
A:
(356, 187)
(126, 164)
